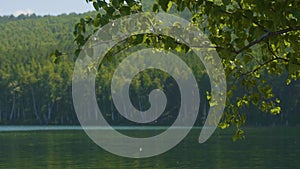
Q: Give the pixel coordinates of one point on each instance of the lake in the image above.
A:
(69, 147)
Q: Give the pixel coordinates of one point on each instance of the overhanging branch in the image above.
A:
(266, 36)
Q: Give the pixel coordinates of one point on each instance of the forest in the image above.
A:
(37, 56)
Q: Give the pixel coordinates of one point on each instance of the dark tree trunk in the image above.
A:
(49, 111)
(34, 106)
(12, 112)
(18, 113)
(61, 120)
(0, 114)
(112, 111)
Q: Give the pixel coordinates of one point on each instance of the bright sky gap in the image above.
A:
(43, 7)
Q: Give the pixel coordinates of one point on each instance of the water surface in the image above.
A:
(69, 147)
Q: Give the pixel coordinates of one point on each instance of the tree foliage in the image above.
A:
(257, 40)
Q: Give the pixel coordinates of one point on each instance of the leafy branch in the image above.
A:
(260, 66)
(266, 36)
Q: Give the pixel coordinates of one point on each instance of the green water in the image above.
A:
(264, 148)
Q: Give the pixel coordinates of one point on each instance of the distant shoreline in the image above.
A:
(77, 127)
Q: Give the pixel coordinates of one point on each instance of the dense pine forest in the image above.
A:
(35, 89)
(35, 86)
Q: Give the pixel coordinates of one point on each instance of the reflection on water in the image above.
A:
(68, 147)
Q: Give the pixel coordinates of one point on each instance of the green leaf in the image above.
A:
(224, 125)
(296, 13)
(293, 65)
(226, 2)
(97, 21)
(288, 81)
(240, 134)
(255, 98)
(247, 59)
(110, 11)
(125, 10)
(96, 6)
(275, 110)
(102, 4)
(130, 2)
(155, 8)
(115, 3)
(77, 52)
(80, 40)
(165, 4)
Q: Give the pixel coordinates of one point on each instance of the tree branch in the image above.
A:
(262, 65)
(266, 36)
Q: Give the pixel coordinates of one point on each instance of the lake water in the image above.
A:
(69, 147)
